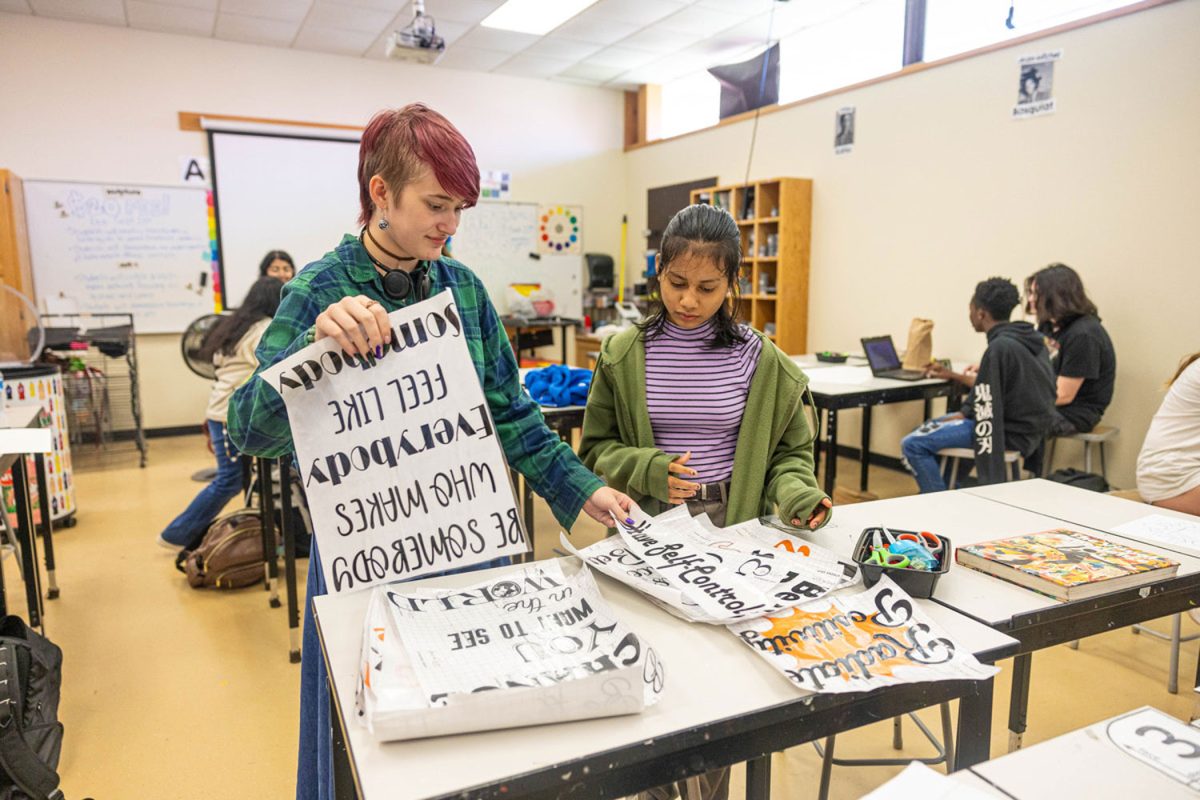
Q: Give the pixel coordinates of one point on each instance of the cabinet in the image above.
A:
(775, 220)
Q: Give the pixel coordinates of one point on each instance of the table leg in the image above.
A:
(818, 448)
(266, 511)
(1018, 704)
(343, 774)
(929, 407)
(289, 558)
(830, 450)
(758, 778)
(28, 541)
(47, 527)
(865, 453)
(975, 726)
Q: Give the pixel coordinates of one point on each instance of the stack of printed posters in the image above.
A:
(531, 645)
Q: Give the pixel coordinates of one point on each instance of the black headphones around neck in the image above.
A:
(401, 285)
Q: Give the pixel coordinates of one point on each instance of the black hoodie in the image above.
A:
(1012, 403)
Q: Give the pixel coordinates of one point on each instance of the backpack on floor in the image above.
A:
(230, 556)
(30, 733)
(1079, 479)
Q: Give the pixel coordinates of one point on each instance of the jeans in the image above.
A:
(920, 448)
(189, 528)
(314, 772)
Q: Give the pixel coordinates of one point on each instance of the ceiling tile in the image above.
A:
(656, 39)
(597, 30)
(15, 7)
(348, 18)
(390, 6)
(743, 7)
(109, 12)
(473, 59)
(290, 10)
(635, 12)
(588, 71)
(207, 5)
(620, 57)
(451, 31)
(236, 28)
(702, 21)
(172, 19)
(460, 10)
(333, 40)
(533, 66)
(556, 47)
(503, 41)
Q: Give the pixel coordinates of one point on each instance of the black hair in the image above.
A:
(707, 232)
(269, 259)
(261, 301)
(997, 296)
(1060, 295)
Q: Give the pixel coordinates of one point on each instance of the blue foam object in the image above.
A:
(918, 555)
(558, 385)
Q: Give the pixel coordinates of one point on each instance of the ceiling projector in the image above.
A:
(418, 42)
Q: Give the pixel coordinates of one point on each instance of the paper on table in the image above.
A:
(918, 780)
(1163, 529)
(854, 643)
(705, 574)
(1159, 741)
(841, 374)
(535, 644)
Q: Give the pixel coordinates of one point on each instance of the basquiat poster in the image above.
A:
(530, 645)
(859, 642)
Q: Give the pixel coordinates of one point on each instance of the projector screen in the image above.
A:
(276, 192)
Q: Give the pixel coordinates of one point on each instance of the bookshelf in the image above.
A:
(775, 220)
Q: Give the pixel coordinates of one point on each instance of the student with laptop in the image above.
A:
(1011, 403)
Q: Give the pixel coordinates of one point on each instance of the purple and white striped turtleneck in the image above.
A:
(696, 395)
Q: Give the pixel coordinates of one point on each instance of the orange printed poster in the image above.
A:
(859, 642)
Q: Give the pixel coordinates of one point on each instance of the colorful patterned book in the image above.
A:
(1066, 564)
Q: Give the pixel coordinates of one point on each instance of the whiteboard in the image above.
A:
(279, 193)
(496, 241)
(121, 248)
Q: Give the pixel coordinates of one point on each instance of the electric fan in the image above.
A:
(190, 344)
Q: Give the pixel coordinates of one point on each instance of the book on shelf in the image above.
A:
(1066, 564)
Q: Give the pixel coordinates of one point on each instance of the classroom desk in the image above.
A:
(836, 387)
(1037, 621)
(701, 721)
(1082, 763)
(20, 437)
(531, 333)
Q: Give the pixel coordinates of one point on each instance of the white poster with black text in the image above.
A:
(399, 455)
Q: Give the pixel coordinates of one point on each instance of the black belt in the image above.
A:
(711, 491)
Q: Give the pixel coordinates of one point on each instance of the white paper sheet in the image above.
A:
(854, 643)
(919, 781)
(400, 460)
(1163, 529)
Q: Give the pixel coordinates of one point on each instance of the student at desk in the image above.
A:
(1084, 360)
(692, 394)
(416, 176)
(1011, 404)
(1168, 468)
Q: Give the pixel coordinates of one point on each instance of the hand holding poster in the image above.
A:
(532, 645)
(399, 455)
(859, 642)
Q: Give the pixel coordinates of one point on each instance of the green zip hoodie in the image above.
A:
(773, 462)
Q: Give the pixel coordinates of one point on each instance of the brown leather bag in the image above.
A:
(231, 555)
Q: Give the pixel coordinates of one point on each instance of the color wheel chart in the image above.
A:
(560, 229)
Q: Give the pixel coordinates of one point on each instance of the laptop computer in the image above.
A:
(881, 355)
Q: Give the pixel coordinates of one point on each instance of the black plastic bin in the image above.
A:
(918, 583)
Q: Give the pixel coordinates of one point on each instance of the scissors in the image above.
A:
(881, 537)
(883, 558)
(930, 541)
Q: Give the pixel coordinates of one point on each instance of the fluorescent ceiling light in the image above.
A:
(534, 16)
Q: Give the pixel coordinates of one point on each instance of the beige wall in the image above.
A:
(943, 190)
(94, 103)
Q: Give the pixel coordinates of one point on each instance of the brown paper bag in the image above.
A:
(920, 344)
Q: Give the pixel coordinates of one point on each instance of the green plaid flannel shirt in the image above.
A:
(258, 422)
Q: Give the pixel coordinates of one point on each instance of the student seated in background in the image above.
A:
(230, 346)
(1082, 354)
(1168, 468)
(277, 264)
(1011, 403)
